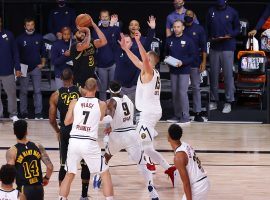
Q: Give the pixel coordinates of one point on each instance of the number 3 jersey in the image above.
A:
(28, 166)
(123, 115)
(86, 116)
(194, 167)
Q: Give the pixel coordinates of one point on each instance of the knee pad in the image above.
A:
(85, 173)
(62, 173)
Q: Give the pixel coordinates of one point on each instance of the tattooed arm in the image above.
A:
(46, 160)
(11, 155)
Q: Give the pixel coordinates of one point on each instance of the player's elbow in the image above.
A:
(67, 122)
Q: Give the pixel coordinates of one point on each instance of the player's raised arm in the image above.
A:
(102, 41)
(69, 115)
(147, 67)
(136, 61)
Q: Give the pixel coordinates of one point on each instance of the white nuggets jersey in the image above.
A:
(9, 195)
(148, 94)
(123, 116)
(86, 115)
(194, 167)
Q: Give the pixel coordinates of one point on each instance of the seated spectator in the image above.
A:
(60, 55)
(32, 55)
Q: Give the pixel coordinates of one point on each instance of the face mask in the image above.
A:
(178, 5)
(31, 32)
(188, 19)
(104, 22)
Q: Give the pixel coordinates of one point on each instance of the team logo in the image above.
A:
(194, 33)
(24, 43)
(66, 12)
(36, 42)
(143, 135)
(227, 16)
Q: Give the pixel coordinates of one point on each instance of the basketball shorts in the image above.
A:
(199, 190)
(127, 140)
(89, 151)
(33, 192)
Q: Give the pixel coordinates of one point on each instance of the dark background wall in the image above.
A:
(16, 10)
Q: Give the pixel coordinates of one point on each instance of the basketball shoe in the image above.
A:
(153, 192)
(170, 173)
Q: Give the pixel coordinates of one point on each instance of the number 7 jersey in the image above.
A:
(86, 115)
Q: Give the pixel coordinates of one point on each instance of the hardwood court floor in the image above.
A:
(235, 156)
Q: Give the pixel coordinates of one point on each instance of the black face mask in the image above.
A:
(188, 19)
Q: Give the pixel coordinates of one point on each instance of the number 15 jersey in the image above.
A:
(86, 116)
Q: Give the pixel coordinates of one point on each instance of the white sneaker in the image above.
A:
(153, 192)
(14, 118)
(227, 108)
(212, 106)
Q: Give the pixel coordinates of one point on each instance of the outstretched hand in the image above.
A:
(152, 22)
(137, 36)
(114, 19)
(122, 42)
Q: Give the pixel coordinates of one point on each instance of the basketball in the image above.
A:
(83, 20)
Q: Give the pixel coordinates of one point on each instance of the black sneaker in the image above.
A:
(24, 116)
(198, 118)
(38, 116)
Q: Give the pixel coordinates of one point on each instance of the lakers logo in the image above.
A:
(67, 98)
(143, 135)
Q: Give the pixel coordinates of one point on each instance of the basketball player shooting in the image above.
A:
(147, 101)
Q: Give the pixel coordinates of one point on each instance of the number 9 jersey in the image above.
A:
(28, 165)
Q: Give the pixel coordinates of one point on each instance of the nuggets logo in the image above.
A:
(143, 135)
(227, 16)
(194, 33)
(36, 42)
(68, 97)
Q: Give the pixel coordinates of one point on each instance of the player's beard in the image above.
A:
(30, 32)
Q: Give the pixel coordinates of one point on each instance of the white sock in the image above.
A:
(148, 176)
(156, 156)
(109, 198)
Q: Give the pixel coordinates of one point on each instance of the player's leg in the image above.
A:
(73, 156)
(85, 176)
(113, 146)
(63, 144)
(33, 192)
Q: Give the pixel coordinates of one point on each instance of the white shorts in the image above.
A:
(199, 190)
(127, 140)
(88, 150)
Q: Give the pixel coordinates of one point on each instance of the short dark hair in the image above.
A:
(115, 86)
(7, 174)
(67, 74)
(104, 10)
(175, 132)
(178, 20)
(20, 129)
(29, 19)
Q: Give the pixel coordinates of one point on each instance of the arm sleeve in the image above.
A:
(56, 57)
(148, 39)
(202, 41)
(263, 18)
(236, 25)
(15, 53)
(50, 23)
(43, 49)
(168, 22)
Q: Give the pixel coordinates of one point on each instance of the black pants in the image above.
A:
(33, 192)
